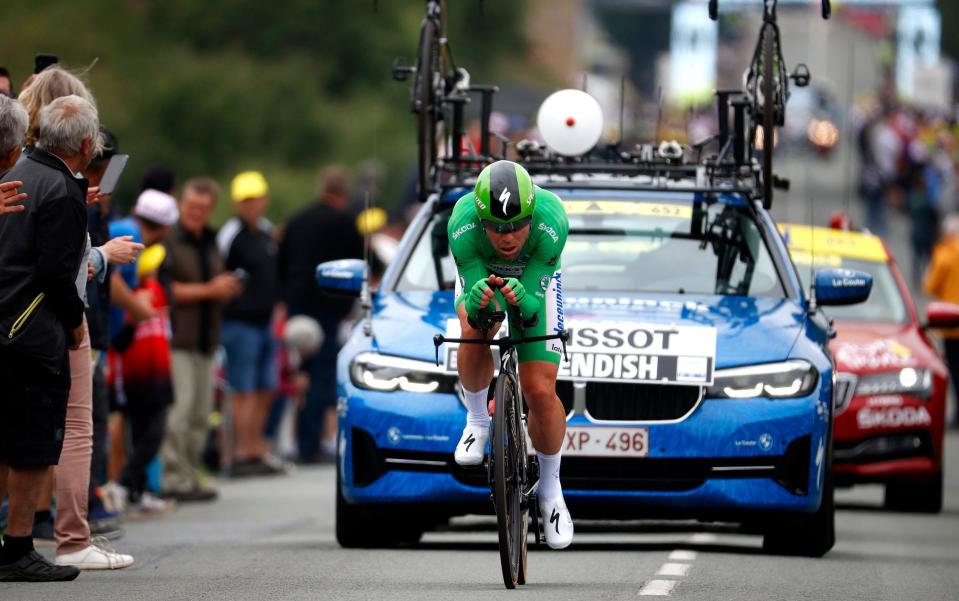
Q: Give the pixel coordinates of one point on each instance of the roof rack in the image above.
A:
(668, 166)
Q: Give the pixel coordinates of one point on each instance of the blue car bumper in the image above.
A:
(727, 458)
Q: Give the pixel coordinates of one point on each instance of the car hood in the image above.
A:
(748, 329)
(862, 347)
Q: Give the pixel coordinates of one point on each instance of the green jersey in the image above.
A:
(538, 260)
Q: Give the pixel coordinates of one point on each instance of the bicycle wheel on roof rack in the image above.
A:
(768, 91)
(427, 108)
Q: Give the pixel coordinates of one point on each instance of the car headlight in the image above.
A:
(911, 381)
(388, 373)
(771, 380)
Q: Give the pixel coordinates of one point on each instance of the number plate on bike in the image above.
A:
(606, 442)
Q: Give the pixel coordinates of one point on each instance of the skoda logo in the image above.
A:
(393, 434)
(766, 442)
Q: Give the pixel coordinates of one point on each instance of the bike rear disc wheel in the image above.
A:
(507, 482)
(768, 90)
(424, 93)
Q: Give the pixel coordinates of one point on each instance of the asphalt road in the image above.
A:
(273, 539)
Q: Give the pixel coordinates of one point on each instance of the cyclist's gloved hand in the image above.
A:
(527, 303)
(478, 298)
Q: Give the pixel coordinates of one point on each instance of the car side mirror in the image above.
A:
(842, 287)
(942, 315)
(344, 277)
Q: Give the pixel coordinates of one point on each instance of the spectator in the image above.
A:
(6, 84)
(200, 288)
(142, 403)
(53, 82)
(71, 530)
(13, 127)
(942, 283)
(246, 243)
(146, 381)
(98, 320)
(924, 221)
(321, 232)
(41, 253)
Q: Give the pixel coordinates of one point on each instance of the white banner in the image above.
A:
(618, 351)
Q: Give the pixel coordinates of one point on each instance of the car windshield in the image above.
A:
(885, 303)
(680, 247)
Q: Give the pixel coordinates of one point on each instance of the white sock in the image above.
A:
(476, 406)
(549, 487)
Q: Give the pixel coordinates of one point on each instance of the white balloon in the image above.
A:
(571, 122)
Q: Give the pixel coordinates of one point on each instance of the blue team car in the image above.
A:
(698, 382)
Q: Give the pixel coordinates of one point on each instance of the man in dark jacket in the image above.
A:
(41, 314)
(321, 232)
(201, 287)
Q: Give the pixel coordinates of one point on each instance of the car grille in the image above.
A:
(845, 390)
(610, 401)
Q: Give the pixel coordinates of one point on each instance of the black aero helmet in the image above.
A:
(504, 196)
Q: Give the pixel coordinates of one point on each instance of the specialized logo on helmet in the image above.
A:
(504, 193)
(504, 198)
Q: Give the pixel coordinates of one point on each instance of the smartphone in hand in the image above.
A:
(108, 183)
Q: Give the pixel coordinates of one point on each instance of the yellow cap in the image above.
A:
(150, 260)
(249, 184)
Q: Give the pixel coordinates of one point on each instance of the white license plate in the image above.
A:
(606, 442)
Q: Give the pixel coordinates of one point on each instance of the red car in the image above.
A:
(891, 382)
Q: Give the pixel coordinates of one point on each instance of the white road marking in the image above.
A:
(682, 555)
(674, 569)
(703, 537)
(658, 588)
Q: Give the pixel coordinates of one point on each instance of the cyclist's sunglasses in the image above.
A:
(506, 228)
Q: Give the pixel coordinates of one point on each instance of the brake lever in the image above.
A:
(437, 341)
(563, 337)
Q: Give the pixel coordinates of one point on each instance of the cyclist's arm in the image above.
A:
(470, 271)
(543, 264)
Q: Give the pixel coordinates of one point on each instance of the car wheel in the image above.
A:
(806, 534)
(919, 498)
(358, 527)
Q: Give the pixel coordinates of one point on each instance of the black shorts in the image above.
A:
(33, 411)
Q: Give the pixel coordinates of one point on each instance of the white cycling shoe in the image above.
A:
(472, 445)
(557, 523)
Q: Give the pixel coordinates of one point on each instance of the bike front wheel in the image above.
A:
(509, 464)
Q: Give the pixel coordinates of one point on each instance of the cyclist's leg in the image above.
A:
(539, 366)
(474, 362)
(547, 418)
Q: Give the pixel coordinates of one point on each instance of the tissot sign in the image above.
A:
(628, 351)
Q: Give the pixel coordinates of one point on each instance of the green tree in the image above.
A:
(284, 87)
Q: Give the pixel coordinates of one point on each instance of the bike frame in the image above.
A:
(507, 347)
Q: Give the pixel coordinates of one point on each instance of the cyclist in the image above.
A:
(507, 237)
